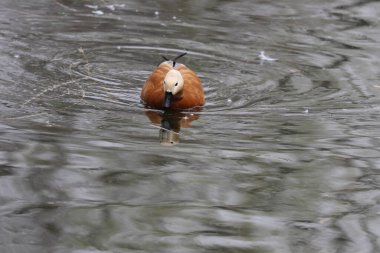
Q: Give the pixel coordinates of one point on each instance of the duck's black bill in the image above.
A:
(167, 99)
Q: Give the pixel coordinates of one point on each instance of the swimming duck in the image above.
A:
(172, 85)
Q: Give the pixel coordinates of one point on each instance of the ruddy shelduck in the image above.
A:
(172, 85)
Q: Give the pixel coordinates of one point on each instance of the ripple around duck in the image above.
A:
(110, 76)
(236, 81)
(232, 86)
(116, 82)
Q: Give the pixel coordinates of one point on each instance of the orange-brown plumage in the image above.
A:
(191, 95)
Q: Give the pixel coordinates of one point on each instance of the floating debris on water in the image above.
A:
(111, 7)
(98, 12)
(174, 17)
(119, 5)
(95, 7)
(156, 13)
(264, 57)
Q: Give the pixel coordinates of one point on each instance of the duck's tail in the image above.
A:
(175, 58)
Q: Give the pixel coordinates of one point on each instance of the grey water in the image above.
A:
(284, 157)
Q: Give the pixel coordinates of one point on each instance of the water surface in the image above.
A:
(284, 156)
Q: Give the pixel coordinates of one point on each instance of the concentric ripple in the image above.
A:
(232, 86)
(111, 69)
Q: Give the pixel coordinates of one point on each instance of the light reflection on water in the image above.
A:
(282, 158)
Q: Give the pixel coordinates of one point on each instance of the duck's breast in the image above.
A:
(152, 93)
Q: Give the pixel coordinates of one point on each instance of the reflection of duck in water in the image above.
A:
(173, 86)
(171, 123)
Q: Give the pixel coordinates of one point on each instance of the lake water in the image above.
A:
(284, 157)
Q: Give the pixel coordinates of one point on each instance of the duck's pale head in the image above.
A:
(173, 86)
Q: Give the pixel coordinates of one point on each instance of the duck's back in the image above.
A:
(193, 94)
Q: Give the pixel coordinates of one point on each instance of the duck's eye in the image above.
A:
(176, 84)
